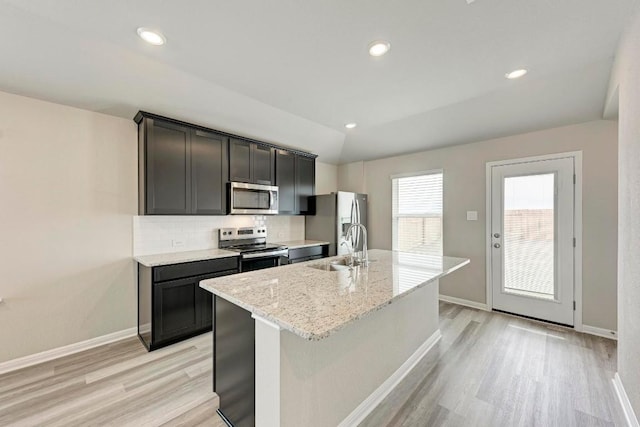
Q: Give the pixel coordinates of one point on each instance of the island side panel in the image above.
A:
(234, 362)
(322, 382)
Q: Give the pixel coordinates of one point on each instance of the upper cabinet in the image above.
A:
(165, 165)
(295, 178)
(185, 169)
(182, 170)
(305, 183)
(286, 181)
(251, 162)
(208, 173)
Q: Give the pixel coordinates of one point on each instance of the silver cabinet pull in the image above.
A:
(496, 235)
(496, 245)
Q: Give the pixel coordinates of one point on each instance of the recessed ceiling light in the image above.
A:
(350, 125)
(516, 74)
(379, 48)
(152, 37)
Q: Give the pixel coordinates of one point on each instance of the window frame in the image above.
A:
(394, 224)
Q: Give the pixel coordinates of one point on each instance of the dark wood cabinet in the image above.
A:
(185, 169)
(286, 181)
(305, 183)
(175, 309)
(182, 170)
(208, 173)
(239, 160)
(263, 164)
(251, 162)
(296, 181)
(171, 304)
(167, 167)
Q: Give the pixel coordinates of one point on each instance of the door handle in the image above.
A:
(496, 245)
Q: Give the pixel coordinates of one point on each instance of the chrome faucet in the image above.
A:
(350, 249)
(364, 256)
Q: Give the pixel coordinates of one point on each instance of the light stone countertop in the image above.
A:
(313, 303)
(296, 244)
(180, 257)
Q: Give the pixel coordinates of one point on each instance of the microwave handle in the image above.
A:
(271, 198)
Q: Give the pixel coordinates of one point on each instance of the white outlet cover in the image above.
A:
(472, 215)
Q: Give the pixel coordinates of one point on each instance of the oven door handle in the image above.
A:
(279, 252)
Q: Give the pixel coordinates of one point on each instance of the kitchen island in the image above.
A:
(320, 343)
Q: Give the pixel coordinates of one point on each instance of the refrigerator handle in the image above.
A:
(358, 221)
(351, 219)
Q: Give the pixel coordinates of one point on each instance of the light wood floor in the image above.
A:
(489, 369)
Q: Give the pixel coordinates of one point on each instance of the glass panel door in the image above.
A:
(531, 252)
(529, 230)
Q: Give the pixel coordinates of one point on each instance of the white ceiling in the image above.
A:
(294, 72)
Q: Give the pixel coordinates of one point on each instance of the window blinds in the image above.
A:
(417, 213)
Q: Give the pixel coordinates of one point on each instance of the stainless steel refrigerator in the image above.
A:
(335, 212)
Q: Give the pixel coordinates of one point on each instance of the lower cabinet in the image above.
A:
(308, 253)
(171, 304)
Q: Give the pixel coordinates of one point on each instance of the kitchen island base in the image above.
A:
(319, 383)
(321, 343)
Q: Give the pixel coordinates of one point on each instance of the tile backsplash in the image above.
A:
(162, 234)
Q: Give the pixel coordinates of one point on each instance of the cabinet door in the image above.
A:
(168, 166)
(205, 299)
(176, 311)
(240, 160)
(263, 164)
(305, 183)
(286, 181)
(208, 173)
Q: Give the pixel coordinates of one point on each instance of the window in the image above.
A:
(417, 213)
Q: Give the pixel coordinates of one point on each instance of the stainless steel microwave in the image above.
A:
(252, 199)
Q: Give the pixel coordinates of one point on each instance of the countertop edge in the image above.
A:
(145, 259)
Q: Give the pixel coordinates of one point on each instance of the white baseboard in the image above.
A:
(465, 302)
(605, 333)
(55, 353)
(378, 395)
(632, 421)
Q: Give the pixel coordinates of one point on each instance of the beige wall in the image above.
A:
(464, 190)
(351, 177)
(627, 72)
(68, 193)
(326, 178)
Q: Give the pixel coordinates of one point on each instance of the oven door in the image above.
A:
(258, 263)
(250, 199)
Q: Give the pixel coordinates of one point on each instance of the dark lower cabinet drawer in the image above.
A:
(196, 268)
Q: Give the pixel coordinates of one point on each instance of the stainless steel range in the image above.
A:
(251, 244)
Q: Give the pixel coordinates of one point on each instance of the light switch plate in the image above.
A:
(472, 215)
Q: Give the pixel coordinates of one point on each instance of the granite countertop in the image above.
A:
(314, 303)
(180, 257)
(296, 244)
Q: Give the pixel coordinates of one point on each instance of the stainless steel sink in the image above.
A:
(340, 264)
(335, 265)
